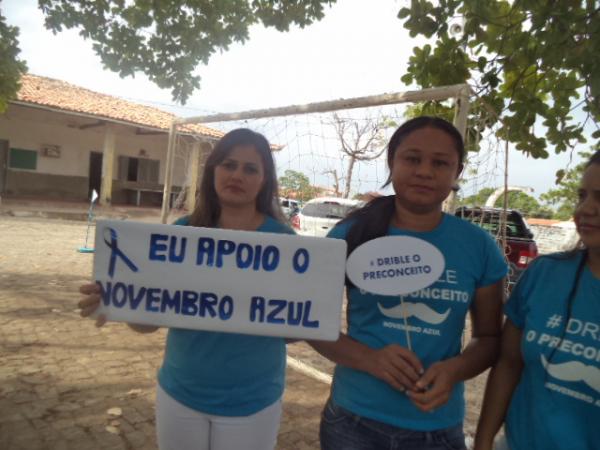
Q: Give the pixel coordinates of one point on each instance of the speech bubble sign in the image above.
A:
(395, 265)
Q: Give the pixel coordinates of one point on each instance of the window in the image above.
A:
(22, 159)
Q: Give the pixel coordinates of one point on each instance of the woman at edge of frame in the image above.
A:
(545, 386)
(383, 394)
(222, 391)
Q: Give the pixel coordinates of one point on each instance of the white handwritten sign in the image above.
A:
(395, 265)
(220, 280)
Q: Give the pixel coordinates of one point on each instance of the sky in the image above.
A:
(354, 51)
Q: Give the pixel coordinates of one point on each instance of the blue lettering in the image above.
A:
(257, 257)
(119, 288)
(206, 246)
(105, 292)
(257, 307)
(243, 262)
(152, 297)
(173, 255)
(301, 268)
(278, 306)
(207, 303)
(306, 322)
(270, 259)
(135, 299)
(188, 304)
(170, 302)
(156, 246)
(224, 247)
(295, 314)
(226, 308)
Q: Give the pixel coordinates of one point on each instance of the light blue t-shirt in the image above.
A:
(472, 260)
(556, 404)
(224, 374)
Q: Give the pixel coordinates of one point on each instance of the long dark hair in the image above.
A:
(208, 208)
(580, 251)
(373, 220)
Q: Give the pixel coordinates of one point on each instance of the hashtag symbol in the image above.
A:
(554, 321)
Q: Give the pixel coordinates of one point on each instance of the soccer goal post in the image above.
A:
(459, 93)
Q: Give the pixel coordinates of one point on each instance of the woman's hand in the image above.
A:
(396, 365)
(90, 303)
(434, 388)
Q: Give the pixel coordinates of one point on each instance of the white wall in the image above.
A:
(551, 239)
(30, 129)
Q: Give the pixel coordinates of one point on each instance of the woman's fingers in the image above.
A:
(90, 288)
(90, 303)
(100, 320)
(392, 380)
(404, 367)
(396, 366)
(410, 358)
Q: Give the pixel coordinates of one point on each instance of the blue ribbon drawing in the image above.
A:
(116, 251)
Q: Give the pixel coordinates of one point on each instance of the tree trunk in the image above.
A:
(349, 176)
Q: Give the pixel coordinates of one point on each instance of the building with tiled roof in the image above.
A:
(58, 140)
(61, 96)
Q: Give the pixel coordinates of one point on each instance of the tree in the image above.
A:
(336, 181)
(445, 111)
(530, 61)
(564, 198)
(167, 39)
(11, 67)
(360, 142)
(520, 201)
(297, 185)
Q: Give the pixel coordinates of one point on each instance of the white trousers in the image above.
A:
(182, 428)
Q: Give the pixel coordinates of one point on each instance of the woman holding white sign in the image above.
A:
(400, 369)
(222, 391)
(545, 386)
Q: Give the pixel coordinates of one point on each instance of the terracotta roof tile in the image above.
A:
(70, 98)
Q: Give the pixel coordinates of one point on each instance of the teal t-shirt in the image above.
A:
(556, 404)
(472, 260)
(225, 374)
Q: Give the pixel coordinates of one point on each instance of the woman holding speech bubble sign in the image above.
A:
(222, 391)
(545, 386)
(400, 369)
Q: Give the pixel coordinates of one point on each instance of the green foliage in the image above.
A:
(296, 185)
(11, 67)
(564, 198)
(167, 39)
(533, 62)
(446, 112)
(520, 201)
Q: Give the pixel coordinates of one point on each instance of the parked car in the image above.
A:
(289, 206)
(520, 248)
(319, 215)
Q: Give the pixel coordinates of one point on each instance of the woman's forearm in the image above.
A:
(503, 379)
(345, 351)
(478, 355)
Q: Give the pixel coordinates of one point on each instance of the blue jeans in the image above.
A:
(343, 430)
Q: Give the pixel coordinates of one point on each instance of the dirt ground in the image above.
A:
(66, 385)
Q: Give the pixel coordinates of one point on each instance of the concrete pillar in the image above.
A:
(193, 163)
(108, 159)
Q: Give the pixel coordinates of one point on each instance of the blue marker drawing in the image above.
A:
(116, 251)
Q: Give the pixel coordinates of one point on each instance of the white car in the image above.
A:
(320, 215)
